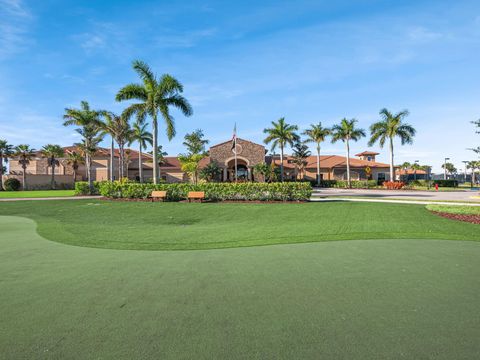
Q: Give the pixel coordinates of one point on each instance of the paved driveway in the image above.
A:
(461, 195)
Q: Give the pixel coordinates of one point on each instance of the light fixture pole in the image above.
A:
(445, 169)
(465, 174)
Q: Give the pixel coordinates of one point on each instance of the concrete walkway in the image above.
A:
(54, 198)
(417, 202)
(467, 196)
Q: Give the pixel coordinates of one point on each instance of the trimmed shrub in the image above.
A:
(446, 183)
(356, 184)
(12, 184)
(213, 191)
(81, 188)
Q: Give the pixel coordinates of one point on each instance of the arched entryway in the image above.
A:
(244, 173)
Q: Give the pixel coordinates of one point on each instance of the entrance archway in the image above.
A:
(243, 172)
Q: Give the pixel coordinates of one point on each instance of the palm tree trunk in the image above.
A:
(156, 170)
(392, 168)
(348, 165)
(1, 171)
(52, 184)
(24, 177)
(112, 156)
(74, 176)
(89, 172)
(121, 163)
(281, 163)
(140, 165)
(318, 165)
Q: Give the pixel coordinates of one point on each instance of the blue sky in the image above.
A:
(249, 62)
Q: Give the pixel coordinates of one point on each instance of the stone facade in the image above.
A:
(249, 154)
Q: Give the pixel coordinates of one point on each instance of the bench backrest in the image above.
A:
(196, 194)
(159, 194)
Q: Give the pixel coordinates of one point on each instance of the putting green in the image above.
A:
(382, 299)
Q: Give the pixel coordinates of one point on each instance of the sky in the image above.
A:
(250, 63)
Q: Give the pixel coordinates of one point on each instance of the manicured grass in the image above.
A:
(170, 226)
(35, 194)
(381, 299)
(462, 210)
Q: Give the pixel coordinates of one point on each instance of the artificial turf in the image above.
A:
(35, 194)
(182, 226)
(382, 299)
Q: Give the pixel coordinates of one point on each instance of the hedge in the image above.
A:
(213, 191)
(81, 188)
(446, 183)
(11, 184)
(356, 184)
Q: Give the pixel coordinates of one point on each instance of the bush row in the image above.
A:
(81, 188)
(356, 184)
(446, 183)
(213, 191)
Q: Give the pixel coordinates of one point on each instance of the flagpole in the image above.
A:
(235, 150)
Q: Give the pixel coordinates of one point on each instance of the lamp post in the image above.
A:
(465, 174)
(445, 169)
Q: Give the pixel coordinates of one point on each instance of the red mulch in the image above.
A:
(473, 219)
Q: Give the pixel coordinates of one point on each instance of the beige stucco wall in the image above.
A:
(37, 181)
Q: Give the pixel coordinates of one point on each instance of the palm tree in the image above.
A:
(473, 165)
(300, 155)
(416, 166)
(346, 131)
(388, 128)
(281, 134)
(405, 167)
(6, 150)
(74, 159)
(91, 137)
(195, 142)
(143, 137)
(24, 154)
(449, 168)
(90, 128)
(119, 129)
(155, 96)
(52, 153)
(317, 134)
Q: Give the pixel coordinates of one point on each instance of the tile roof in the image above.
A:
(366, 153)
(329, 161)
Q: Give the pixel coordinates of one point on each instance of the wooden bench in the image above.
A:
(196, 195)
(158, 195)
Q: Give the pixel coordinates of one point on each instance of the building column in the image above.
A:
(224, 174)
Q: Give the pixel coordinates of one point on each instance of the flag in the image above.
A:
(234, 138)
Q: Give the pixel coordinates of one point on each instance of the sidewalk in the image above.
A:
(53, 198)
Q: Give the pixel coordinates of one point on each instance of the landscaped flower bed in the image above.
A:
(300, 191)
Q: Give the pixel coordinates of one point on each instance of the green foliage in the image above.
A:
(213, 191)
(446, 183)
(455, 209)
(82, 188)
(12, 184)
(357, 184)
(211, 172)
(195, 142)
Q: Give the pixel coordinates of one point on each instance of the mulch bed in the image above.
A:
(473, 219)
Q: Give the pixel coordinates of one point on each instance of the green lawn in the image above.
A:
(381, 299)
(35, 194)
(162, 226)
(461, 210)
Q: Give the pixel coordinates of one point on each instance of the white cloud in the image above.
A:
(422, 34)
(185, 39)
(14, 21)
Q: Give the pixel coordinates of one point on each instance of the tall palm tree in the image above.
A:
(74, 159)
(91, 137)
(52, 153)
(317, 134)
(281, 134)
(155, 95)
(195, 142)
(90, 127)
(391, 126)
(346, 131)
(24, 154)
(6, 150)
(119, 129)
(143, 137)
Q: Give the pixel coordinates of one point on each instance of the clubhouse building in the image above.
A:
(332, 167)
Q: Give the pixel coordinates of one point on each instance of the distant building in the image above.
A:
(332, 167)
